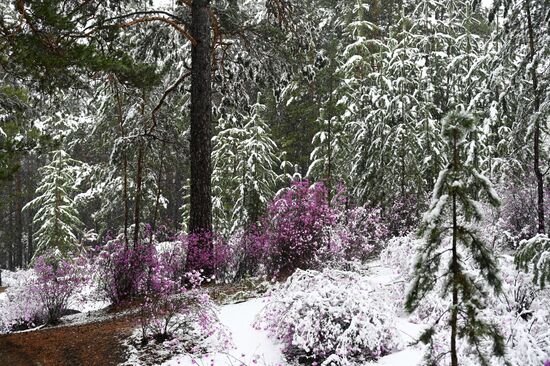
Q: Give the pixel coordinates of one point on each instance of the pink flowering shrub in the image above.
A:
(123, 270)
(169, 306)
(294, 225)
(56, 281)
(402, 217)
(21, 308)
(208, 253)
(248, 252)
(41, 294)
(330, 318)
(357, 233)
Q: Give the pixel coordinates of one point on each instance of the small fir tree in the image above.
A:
(534, 254)
(56, 213)
(448, 228)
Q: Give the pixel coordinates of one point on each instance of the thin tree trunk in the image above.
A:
(454, 269)
(18, 229)
(200, 218)
(137, 198)
(536, 133)
(157, 198)
(11, 264)
(124, 164)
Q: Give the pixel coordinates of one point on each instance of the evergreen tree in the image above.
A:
(449, 231)
(246, 164)
(56, 214)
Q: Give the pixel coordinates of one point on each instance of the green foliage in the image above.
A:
(534, 254)
(56, 214)
(449, 231)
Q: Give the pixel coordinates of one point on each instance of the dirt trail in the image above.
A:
(96, 343)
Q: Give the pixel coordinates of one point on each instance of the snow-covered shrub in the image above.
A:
(56, 281)
(518, 213)
(21, 308)
(357, 233)
(399, 252)
(294, 226)
(330, 318)
(402, 216)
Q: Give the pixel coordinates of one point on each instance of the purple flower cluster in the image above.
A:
(56, 280)
(294, 226)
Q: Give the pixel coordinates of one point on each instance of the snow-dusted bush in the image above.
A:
(398, 254)
(402, 216)
(21, 308)
(56, 281)
(357, 233)
(295, 225)
(330, 318)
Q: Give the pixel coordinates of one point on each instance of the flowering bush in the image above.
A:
(177, 319)
(358, 232)
(207, 252)
(21, 308)
(248, 249)
(330, 317)
(402, 216)
(56, 281)
(123, 270)
(41, 294)
(295, 226)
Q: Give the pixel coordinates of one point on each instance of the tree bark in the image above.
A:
(454, 269)
(124, 163)
(200, 218)
(536, 133)
(137, 198)
(18, 206)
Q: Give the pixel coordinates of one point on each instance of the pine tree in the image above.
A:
(448, 228)
(246, 164)
(56, 214)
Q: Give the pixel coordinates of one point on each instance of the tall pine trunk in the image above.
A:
(537, 130)
(200, 218)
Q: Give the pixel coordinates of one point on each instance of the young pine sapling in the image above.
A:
(448, 228)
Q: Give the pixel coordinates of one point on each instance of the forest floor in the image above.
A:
(90, 338)
(93, 343)
(98, 337)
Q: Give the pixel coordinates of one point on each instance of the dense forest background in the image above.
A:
(95, 111)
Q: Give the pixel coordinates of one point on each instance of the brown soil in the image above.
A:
(2, 289)
(87, 344)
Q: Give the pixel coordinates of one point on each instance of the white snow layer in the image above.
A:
(252, 347)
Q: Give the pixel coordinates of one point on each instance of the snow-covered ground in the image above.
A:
(254, 347)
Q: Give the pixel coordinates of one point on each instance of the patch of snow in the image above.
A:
(251, 346)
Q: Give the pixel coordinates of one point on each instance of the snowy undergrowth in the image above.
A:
(331, 317)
